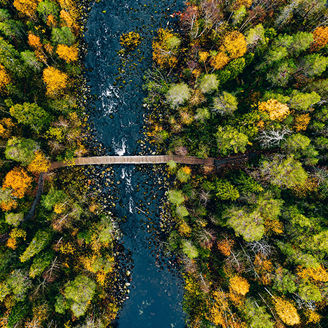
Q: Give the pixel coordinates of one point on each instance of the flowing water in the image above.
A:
(118, 117)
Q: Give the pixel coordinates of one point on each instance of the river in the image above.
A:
(156, 291)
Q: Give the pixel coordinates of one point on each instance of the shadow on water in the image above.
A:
(156, 290)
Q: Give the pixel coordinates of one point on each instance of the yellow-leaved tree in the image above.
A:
(234, 44)
(69, 54)
(276, 110)
(39, 164)
(239, 285)
(286, 311)
(320, 37)
(27, 7)
(4, 79)
(55, 80)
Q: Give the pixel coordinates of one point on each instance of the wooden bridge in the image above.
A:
(149, 159)
(136, 160)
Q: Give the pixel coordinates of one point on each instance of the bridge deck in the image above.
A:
(136, 160)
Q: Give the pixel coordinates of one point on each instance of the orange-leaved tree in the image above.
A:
(18, 181)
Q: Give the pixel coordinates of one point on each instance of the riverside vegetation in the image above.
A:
(247, 77)
(57, 265)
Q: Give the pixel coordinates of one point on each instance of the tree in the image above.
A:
(320, 37)
(287, 173)
(14, 219)
(39, 163)
(296, 143)
(79, 294)
(225, 104)
(314, 65)
(189, 249)
(18, 284)
(178, 94)
(250, 225)
(55, 80)
(275, 109)
(21, 150)
(282, 73)
(176, 197)
(38, 243)
(229, 140)
(27, 7)
(40, 263)
(255, 36)
(303, 101)
(69, 54)
(239, 285)
(46, 8)
(208, 83)
(234, 44)
(166, 48)
(53, 197)
(4, 79)
(31, 61)
(11, 28)
(219, 60)
(18, 181)
(309, 292)
(286, 311)
(256, 316)
(62, 35)
(226, 191)
(30, 114)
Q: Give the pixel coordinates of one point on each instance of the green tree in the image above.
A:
(208, 83)
(79, 294)
(21, 150)
(225, 104)
(62, 35)
(53, 197)
(38, 243)
(14, 219)
(12, 29)
(178, 94)
(40, 263)
(314, 65)
(287, 172)
(226, 191)
(176, 197)
(189, 249)
(256, 316)
(296, 143)
(303, 101)
(230, 140)
(46, 8)
(249, 225)
(30, 114)
(284, 282)
(309, 292)
(19, 284)
(31, 61)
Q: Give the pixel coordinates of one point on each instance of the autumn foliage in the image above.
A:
(39, 164)
(55, 80)
(320, 37)
(4, 79)
(276, 110)
(18, 181)
(69, 54)
(27, 7)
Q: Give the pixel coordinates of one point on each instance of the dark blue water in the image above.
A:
(156, 291)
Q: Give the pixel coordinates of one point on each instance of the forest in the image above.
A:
(57, 262)
(244, 80)
(247, 80)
